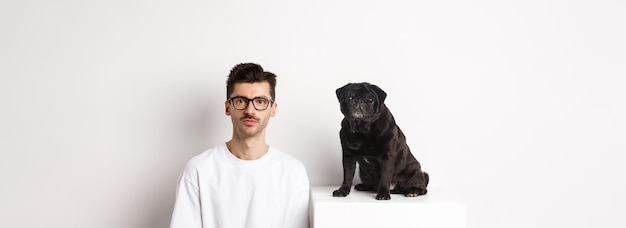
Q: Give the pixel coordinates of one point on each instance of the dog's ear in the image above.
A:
(380, 93)
(340, 91)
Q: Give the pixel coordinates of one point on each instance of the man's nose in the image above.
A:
(250, 107)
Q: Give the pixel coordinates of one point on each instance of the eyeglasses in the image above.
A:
(259, 103)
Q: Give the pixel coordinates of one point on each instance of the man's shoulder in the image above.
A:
(294, 170)
(202, 158)
(287, 159)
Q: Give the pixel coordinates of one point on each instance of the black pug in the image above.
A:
(369, 135)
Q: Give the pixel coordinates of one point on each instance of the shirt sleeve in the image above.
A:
(187, 211)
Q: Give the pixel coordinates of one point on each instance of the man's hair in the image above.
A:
(250, 73)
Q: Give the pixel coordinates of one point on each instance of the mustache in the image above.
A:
(248, 116)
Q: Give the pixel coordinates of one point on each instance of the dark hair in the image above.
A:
(249, 72)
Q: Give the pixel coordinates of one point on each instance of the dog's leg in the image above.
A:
(349, 166)
(386, 171)
(420, 183)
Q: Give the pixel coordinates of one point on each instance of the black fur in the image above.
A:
(369, 135)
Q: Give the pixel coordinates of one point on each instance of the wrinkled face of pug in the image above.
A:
(360, 101)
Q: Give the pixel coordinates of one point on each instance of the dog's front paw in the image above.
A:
(341, 192)
(383, 195)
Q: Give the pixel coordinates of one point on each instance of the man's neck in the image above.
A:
(249, 149)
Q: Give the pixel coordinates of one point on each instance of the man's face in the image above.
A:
(250, 122)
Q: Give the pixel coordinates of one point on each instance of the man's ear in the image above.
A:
(227, 108)
(273, 111)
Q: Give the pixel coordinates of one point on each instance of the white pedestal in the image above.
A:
(361, 209)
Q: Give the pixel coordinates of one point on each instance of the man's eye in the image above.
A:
(260, 101)
(240, 101)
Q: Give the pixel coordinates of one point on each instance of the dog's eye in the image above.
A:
(371, 100)
(350, 98)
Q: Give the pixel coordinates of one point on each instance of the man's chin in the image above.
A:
(249, 131)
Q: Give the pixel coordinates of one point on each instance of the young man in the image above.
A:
(244, 182)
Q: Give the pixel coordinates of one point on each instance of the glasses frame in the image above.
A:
(231, 101)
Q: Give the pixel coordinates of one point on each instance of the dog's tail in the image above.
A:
(426, 178)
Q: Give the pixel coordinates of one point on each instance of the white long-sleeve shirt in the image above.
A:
(217, 189)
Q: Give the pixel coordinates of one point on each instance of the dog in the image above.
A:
(370, 137)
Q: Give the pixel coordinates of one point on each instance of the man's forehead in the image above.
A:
(252, 89)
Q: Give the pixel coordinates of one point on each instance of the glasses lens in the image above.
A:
(260, 103)
(240, 102)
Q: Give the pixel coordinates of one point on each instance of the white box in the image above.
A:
(361, 209)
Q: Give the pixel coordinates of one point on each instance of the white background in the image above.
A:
(515, 106)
